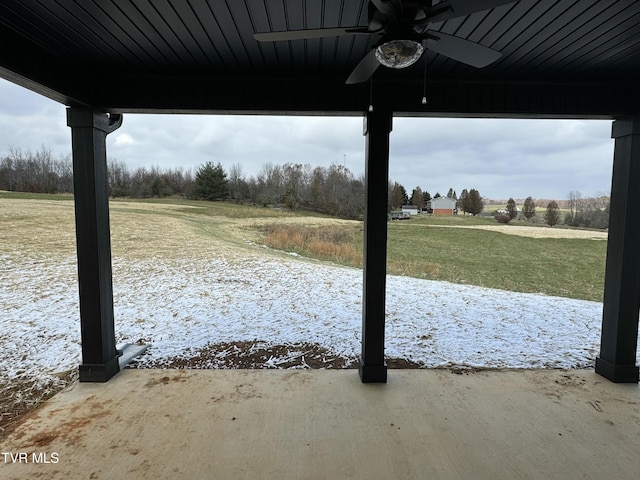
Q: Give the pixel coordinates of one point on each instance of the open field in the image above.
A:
(195, 281)
(475, 251)
(463, 249)
(559, 262)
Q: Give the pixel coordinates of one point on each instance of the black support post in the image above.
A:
(377, 127)
(617, 360)
(89, 130)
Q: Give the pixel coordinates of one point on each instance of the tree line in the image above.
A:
(332, 190)
(36, 172)
(591, 212)
(470, 200)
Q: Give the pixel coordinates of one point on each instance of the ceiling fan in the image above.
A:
(404, 29)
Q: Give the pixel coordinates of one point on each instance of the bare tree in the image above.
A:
(594, 212)
(574, 202)
(294, 184)
(64, 174)
(271, 185)
(38, 172)
(119, 178)
(44, 171)
(236, 182)
(7, 174)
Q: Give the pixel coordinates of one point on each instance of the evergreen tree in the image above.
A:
(426, 197)
(552, 215)
(512, 210)
(460, 204)
(417, 198)
(211, 182)
(473, 202)
(399, 196)
(450, 193)
(529, 208)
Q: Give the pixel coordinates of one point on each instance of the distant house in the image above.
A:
(410, 209)
(443, 206)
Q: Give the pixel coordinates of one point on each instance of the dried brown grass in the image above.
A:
(338, 243)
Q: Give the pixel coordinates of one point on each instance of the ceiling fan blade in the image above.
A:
(390, 8)
(458, 8)
(365, 68)
(308, 34)
(461, 50)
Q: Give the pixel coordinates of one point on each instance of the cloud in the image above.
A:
(504, 158)
(499, 157)
(123, 140)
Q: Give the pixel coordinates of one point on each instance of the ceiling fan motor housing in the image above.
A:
(399, 53)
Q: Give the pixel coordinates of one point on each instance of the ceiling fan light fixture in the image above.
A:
(399, 53)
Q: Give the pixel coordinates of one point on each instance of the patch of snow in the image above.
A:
(177, 305)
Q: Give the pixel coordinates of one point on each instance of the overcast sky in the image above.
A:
(500, 158)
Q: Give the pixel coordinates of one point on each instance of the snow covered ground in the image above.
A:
(178, 305)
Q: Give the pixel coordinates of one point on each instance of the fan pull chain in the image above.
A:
(424, 84)
(371, 94)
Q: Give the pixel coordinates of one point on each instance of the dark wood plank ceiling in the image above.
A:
(560, 57)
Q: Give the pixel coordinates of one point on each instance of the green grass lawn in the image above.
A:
(562, 267)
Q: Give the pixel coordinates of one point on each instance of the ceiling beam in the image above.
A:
(290, 96)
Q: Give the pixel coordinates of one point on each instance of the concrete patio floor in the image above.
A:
(324, 424)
